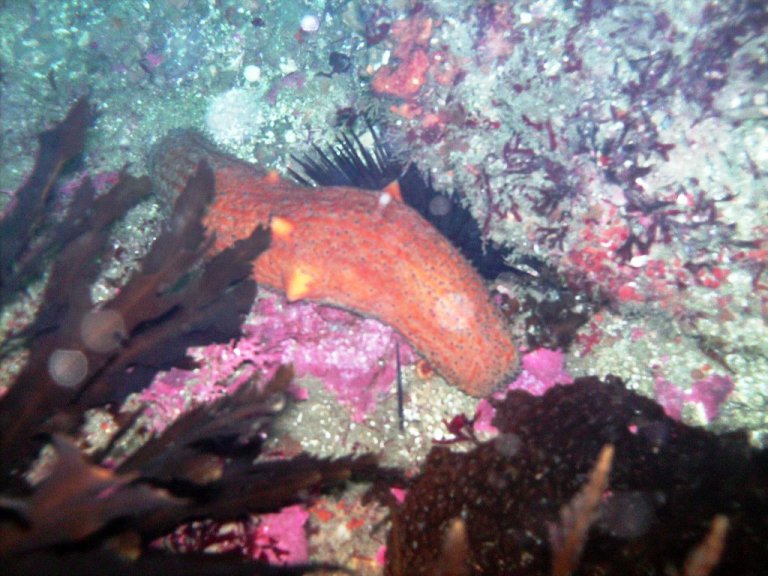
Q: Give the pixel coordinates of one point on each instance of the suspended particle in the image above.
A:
(68, 368)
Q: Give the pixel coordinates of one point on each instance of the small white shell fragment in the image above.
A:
(639, 261)
(252, 73)
(310, 23)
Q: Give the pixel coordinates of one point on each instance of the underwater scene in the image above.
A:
(386, 288)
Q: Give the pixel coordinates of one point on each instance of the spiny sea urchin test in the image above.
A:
(351, 248)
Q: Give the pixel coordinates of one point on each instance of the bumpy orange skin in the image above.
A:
(348, 248)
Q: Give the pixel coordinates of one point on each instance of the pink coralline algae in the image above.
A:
(278, 538)
(399, 494)
(711, 392)
(153, 59)
(482, 422)
(172, 393)
(353, 356)
(381, 556)
(287, 529)
(542, 369)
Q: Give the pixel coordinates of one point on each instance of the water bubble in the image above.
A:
(252, 73)
(439, 206)
(627, 514)
(68, 368)
(508, 444)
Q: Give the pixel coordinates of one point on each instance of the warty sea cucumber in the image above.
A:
(345, 247)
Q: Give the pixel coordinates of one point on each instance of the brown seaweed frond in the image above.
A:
(569, 536)
(705, 557)
(82, 356)
(233, 425)
(29, 234)
(176, 300)
(201, 467)
(455, 553)
(210, 456)
(76, 500)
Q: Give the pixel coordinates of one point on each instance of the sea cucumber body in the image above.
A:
(354, 249)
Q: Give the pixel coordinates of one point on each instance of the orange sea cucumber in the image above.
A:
(354, 249)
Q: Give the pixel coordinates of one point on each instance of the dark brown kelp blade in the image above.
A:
(222, 428)
(90, 514)
(35, 395)
(175, 301)
(28, 216)
(76, 500)
(209, 457)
